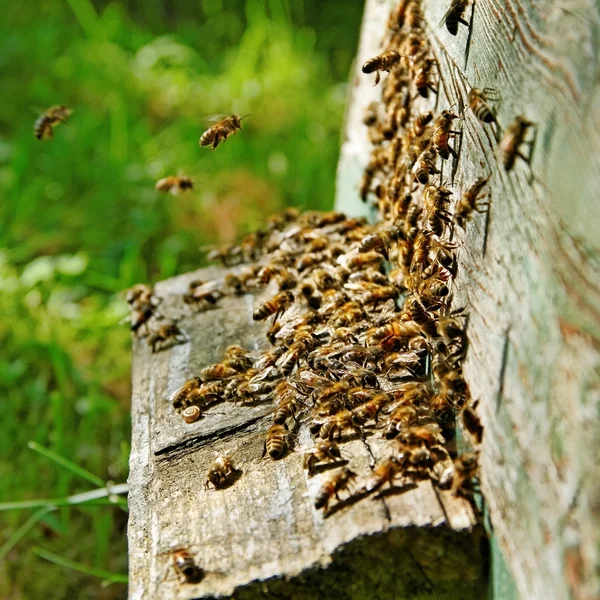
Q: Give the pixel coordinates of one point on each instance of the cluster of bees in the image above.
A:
(363, 343)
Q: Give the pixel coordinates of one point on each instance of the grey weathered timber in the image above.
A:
(262, 537)
(530, 276)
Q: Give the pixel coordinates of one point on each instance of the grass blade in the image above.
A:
(22, 531)
(66, 463)
(107, 576)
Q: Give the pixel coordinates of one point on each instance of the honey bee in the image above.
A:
(414, 15)
(363, 260)
(472, 422)
(401, 417)
(143, 302)
(332, 488)
(381, 241)
(422, 79)
(427, 435)
(312, 296)
(383, 62)
(166, 334)
(277, 441)
(187, 394)
(478, 103)
(221, 130)
(425, 166)
(275, 306)
(43, 127)
(321, 453)
(442, 133)
(185, 566)
(174, 184)
(421, 316)
(385, 472)
(289, 360)
(221, 472)
(454, 16)
(470, 202)
(371, 115)
(398, 16)
(513, 138)
(217, 371)
(191, 414)
(395, 333)
(465, 470)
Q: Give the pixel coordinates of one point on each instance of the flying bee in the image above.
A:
(275, 306)
(277, 441)
(184, 566)
(383, 62)
(442, 133)
(478, 103)
(187, 394)
(455, 15)
(513, 138)
(166, 334)
(175, 184)
(470, 202)
(422, 79)
(338, 483)
(425, 166)
(221, 472)
(43, 127)
(191, 414)
(221, 130)
(321, 453)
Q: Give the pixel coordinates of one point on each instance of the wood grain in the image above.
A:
(264, 528)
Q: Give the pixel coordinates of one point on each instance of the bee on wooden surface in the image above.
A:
(202, 294)
(185, 566)
(400, 418)
(187, 394)
(275, 306)
(385, 471)
(395, 333)
(478, 103)
(472, 423)
(191, 414)
(312, 296)
(398, 16)
(334, 426)
(425, 166)
(237, 357)
(332, 488)
(174, 184)
(277, 441)
(143, 302)
(221, 130)
(422, 80)
(321, 453)
(289, 360)
(381, 241)
(383, 62)
(427, 435)
(442, 133)
(455, 15)
(421, 123)
(513, 138)
(287, 408)
(140, 293)
(450, 328)
(221, 472)
(43, 127)
(420, 315)
(217, 371)
(414, 45)
(168, 334)
(465, 471)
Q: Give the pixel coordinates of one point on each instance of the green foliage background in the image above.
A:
(80, 220)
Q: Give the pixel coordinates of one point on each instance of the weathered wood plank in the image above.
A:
(264, 528)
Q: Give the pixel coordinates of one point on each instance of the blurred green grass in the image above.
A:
(80, 220)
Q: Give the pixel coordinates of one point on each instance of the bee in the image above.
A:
(425, 166)
(427, 435)
(465, 470)
(289, 360)
(363, 260)
(414, 15)
(478, 103)
(380, 241)
(187, 394)
(422, 79)
(442, 133)
(217, 371)
(513, 138)
(277, 441)
(454, 16)
(472, 422)
(221, 130)
(385, 472)
(383, 62)
(322, 452)
(221, 472)
(338, 483)
(191, 414)
(401, 417)
(470, 202)
(275, 306)
(43, 127)
(312, 296)
(395, 333)
(174, 184)
(398, 16)
(421, 123)
(166, 334)
(143, 302)
(286, 408)
(185, 566)
(420, 315)
(202, 294)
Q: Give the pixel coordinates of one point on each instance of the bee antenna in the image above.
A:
(245, 116)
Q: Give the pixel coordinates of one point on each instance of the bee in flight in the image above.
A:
(220, 130)
(174, 184)
(455, 15)
(43, 127)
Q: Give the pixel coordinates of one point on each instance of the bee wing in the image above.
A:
(448, 13)
(213, 119)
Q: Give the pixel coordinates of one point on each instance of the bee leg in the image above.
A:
(217, 140)
(377, 78)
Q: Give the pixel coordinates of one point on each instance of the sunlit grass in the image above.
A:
(80, 221)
